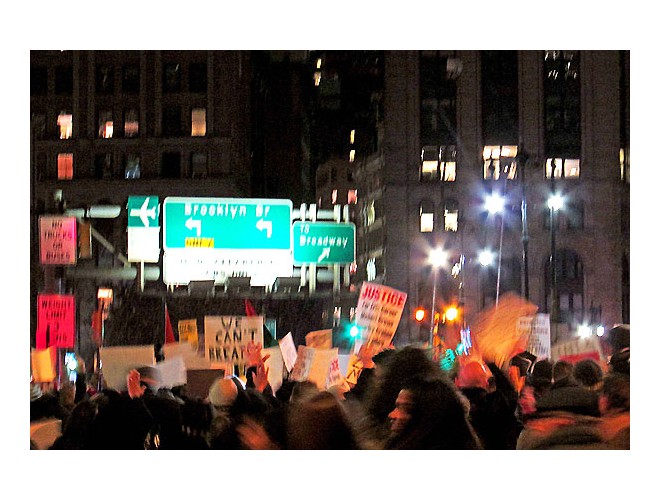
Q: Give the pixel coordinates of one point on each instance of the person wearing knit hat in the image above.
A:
(222, 393)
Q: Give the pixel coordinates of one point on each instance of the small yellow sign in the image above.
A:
(199, 243)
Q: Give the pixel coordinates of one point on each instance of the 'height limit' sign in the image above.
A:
(58, 240)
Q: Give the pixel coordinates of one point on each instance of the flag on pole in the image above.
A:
(249, 309)
(169, 333)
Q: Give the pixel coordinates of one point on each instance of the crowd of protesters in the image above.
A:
(402, 400)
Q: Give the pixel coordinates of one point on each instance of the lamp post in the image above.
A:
(437, 258)
(521, 162)
(495, 205)
(555, 203)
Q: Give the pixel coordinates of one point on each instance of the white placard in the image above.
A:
(117, 361)
(227, 337)
(288, 349)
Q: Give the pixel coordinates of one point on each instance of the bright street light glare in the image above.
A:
(555, 202)
(584, 331)
(494, 204)
(437, 257)
(486, 258)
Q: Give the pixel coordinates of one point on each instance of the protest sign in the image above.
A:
(117, 361)
(576, 349)
(495, 333)
(377, 315)
(227, 337)
(43, 364)
(275, 366)
(172, 372)
(319, 339)
(188, 332)
(288, 349)
(537, 330)
(319, 366)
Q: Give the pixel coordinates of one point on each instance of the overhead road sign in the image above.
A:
(143, 229)
(142, 211)
(227, 223)
(323, 243)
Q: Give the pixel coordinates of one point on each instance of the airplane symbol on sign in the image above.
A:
(143, 213)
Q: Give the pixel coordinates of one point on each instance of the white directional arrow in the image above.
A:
(194, 223)
(267, 225)
(325, 253)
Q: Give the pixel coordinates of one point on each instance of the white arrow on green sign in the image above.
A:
(227, 223)
(323, 243)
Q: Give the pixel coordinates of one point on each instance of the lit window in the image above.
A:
(64, 166)
(451, 216)
(371, 269)
(317, 78)
(334, 196)
(105, 125)
(131, 123)
(448, 170)
(351, 156)
(500, 161)
(198, 122)
(318, 63)
(430, 161)
(426, 217)
(562, 168)
(352, 137)
(352, 196)
(451, 220)
(426, 223)
(65, 123)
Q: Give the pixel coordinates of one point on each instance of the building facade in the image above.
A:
(460, 126)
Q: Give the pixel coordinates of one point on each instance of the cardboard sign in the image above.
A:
(319, 339)
(56, 321)
(227, 337)
(172, 372)
(377, 315)
(117, 361)
(319, 366)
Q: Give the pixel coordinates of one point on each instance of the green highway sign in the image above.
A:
(142, 211)
(323, 243)
(227, 223)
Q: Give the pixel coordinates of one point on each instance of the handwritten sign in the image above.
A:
(377, 315)
(56, 325)
(188, 332)
(58, 240)
(227, 337)
(537, 328)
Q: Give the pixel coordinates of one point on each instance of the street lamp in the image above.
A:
(437, 258)
(495, 205)
(555, 203)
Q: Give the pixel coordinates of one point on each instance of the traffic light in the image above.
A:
(451, 313)
(420, 314)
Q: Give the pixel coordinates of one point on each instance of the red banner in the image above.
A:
(56, 321)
